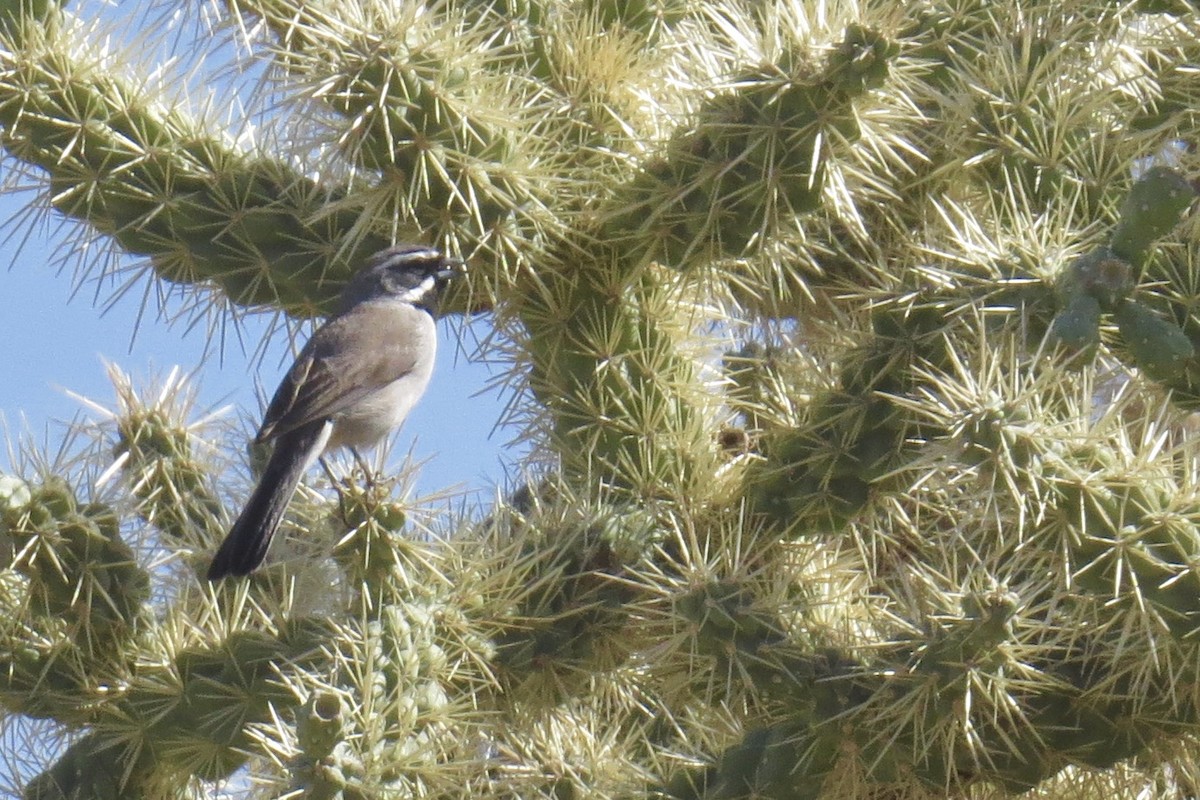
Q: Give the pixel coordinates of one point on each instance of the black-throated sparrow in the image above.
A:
(354, 382)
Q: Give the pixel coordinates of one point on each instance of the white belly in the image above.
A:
(379, 413)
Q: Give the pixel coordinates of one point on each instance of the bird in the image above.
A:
(354, 382)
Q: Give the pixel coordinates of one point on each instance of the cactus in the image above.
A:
(1101, 274)
(1159, 349)
(79, 569)
(693, 204)
(575, 608)
(1152, 208)
(855, 357)
(1077, 327)
(89, 768)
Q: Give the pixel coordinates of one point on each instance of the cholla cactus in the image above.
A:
(863, 336)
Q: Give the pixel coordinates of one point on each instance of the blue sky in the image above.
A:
(58, 336)
(59, 332)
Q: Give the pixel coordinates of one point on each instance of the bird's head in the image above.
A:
(411, 272)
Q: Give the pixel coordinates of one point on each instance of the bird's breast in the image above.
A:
(381, 411)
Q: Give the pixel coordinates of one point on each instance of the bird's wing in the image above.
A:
(346, 359)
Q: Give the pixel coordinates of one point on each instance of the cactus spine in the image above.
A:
(860, 350)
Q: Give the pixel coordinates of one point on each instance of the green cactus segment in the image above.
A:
(190, 716)
(73, 596)
(647, 17)
(417, 105)
(577, 613)
(753, 153)
(219, 692)
(831, 702)
(44, 675)
(725, 619)
(608, 370)
(792, 756)
(779, 762)
(986, 625)
(372, 548)
(904, 336)
(945, 35)
(1160, 348)
(173, 488)
(194, 715)
(412, 664)
(840, 711)
(203, 212)
(402, 667)
(1153, 207)
(14, 13)
(94, 767)
(79, 568)
(817, 477)
(1018, 133)
(402, 107)
(939, 682)
(408, 664)
(1076, 328)
(861, 60)
(321, 769)
(1127, 541)
(1127, 544)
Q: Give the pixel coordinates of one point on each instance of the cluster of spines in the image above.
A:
(754, 155)
(575, 607)
(605, 365)
(80, 570)
(201, 210)
(1118, 537)
(196, 712)
(428, 124)
(817, 474)
(164, 471)
(396, 668)
(832, 715)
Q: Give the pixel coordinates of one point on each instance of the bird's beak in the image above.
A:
(454, 267)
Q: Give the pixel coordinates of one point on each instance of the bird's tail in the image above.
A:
(246, 545)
